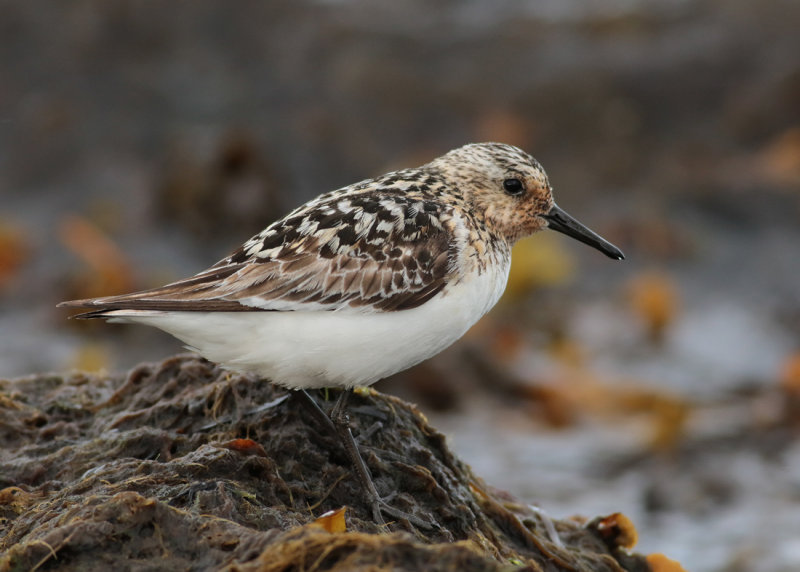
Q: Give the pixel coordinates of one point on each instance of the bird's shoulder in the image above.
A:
(383, 244)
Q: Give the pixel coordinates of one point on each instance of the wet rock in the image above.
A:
(183, 465)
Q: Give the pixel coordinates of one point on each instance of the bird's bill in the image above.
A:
(560, 221)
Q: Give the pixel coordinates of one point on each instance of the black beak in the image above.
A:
(559, 220)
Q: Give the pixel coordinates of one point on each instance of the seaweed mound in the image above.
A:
(183, 465)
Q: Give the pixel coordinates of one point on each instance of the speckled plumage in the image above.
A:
(360, 282)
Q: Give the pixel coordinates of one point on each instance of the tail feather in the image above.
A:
(102, 306)
(182, 296)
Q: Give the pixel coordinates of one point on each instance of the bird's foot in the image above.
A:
(339, 423)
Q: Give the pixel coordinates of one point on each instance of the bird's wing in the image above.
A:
(361, 252)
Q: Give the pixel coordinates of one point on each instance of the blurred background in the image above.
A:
(140, 142)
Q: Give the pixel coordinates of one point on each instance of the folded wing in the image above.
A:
(360, 253)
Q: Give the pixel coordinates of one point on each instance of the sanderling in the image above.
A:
(364, 281)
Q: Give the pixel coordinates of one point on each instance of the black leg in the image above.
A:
(339, 423)
(313, 407)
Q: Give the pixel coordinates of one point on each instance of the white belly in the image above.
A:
(335, 348)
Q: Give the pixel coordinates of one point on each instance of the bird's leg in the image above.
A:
(314, 408)
(340, 426)
(339, 423)
(341, 420)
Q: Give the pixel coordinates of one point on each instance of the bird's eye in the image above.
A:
(513, 187)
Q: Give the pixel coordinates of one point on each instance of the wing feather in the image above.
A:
(361, 252)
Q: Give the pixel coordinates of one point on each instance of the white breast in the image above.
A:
(342, 348)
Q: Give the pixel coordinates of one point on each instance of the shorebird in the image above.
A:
(361, 282)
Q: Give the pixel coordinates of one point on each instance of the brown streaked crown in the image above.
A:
(480, 170)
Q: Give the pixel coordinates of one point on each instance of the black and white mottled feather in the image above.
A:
(361, 282)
